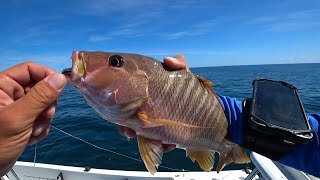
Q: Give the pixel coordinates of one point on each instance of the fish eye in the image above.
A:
(116, 61)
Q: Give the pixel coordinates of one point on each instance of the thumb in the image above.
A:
(183, 61)
(40, 96)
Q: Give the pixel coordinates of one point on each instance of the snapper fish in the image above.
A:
(173, 107)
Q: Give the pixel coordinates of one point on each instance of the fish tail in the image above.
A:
(237, 155)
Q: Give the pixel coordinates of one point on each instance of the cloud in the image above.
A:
(115, 7)
(32, 31)
(196, 29)
(60, 61)
(291, 21)
(123, 33)
(262, 19)
(128, 26)
(172, 52)
(188, 3)
(292, 26)
(137, 29)
(134, 7)
(299, 59)
(137, 18)
(56, 62)
(177, 35)
(99, 38)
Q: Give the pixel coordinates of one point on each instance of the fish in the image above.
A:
(159, 104)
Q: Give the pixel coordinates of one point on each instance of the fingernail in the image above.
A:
(125, 133)
(171, 58)
(38, 131)
(129, 133)
(175, 60)
(57, 81)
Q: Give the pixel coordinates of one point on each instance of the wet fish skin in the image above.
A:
(174, 107)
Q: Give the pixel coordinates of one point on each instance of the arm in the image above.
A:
(305, 158)
(28, 96)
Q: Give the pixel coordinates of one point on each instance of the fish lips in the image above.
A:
(77, 71)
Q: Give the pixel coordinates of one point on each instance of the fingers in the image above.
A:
(168, 147)
(183, 61)
(127, 132)
(10, 87)
(38, 99)
(35, 139)
(176, 62)
(50, 110)
(29, 72)
(41, 124)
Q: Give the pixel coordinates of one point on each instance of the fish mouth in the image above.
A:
(78, 69)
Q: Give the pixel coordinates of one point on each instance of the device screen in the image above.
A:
(278, 104)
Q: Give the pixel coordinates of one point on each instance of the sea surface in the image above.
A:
(77, 118)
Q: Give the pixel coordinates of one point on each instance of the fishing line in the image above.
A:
(35, 155)
(108, 150)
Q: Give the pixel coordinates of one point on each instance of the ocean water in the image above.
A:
(77, 118)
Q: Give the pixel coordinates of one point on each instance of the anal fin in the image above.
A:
(205, 159)
(151, 153)
(236, 155)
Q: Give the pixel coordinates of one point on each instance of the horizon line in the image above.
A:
(256, 64)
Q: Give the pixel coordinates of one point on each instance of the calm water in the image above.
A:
(76, 117)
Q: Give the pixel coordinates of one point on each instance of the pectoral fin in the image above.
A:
(205, 159)
(151, 153)
(236, 155)
(144, 117)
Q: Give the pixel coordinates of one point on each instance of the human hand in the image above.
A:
(176, 63)
(28, 98)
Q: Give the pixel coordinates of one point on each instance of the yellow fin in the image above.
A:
(151, 154)
(205, 159)
(236, 155)
(205, 81)
(207, 84)
(144, 117)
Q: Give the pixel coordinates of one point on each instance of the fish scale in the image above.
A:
(177, 95)
(162, 106)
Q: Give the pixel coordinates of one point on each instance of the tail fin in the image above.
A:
(236, 155)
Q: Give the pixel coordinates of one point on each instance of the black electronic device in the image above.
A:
(275, 120)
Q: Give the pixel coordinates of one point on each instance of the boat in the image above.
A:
(264, 169)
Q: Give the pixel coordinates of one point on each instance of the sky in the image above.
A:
(207, 32)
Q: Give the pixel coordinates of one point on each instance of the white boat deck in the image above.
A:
(27, 171)
(265, 169)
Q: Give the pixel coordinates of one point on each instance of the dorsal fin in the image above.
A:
(208, 84)
(205, 81)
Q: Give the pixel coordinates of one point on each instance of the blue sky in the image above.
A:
(207, 32)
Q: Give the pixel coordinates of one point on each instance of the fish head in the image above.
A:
(110, 81)
(99, 70)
